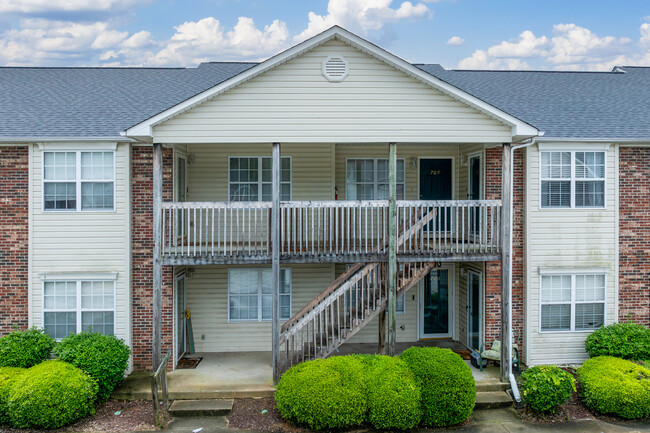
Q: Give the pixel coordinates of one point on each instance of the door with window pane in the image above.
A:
(181, 306)
(473, 310)
(436, 306)
(474, 192)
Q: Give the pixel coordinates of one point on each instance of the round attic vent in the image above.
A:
(335, 68)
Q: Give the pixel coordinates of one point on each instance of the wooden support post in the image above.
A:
(275, 257)
(156, 345)
(392, 247)
(506, 262)
(381, 346)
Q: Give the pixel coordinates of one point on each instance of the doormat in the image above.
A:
(188, 363)
(465, 354)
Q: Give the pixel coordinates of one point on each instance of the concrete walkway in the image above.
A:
(482, 421)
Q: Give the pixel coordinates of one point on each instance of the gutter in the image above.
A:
(513, 382)
(65, 139)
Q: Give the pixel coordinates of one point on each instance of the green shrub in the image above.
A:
(446, 383)
(545, 387)
(7, 376)
(104, 357)
(615, 386)
(25, 349)
(324, 393)
(623, 340)
(393, 394)
(50, 395)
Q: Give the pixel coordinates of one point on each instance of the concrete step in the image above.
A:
(491, 385)
(125, 393)
(184, 408)
(492, 400)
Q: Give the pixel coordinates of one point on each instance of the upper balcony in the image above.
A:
(196, 233)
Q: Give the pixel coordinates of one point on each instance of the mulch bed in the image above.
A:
(134, 415)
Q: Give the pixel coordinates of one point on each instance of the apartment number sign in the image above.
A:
(435, 173)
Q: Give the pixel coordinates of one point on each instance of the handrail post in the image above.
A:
(275, 266)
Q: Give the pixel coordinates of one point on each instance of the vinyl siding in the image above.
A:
(207, 299)
(83, 242)
(567, 239)
(295, 103)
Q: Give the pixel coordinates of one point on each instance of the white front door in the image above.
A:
(437, 303)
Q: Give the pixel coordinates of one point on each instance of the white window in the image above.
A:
(367, 179)
(250, 294)
(75, 306)
(573, 179)
(572, 302)
(68, 176)
(250, 178)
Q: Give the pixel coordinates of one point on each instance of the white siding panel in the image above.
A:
(83, 242)
(567, 239)
(295, 103)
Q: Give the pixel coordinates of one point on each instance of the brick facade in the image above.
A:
(634, 235)
(142, 256)
(493, 157)
(14, 238)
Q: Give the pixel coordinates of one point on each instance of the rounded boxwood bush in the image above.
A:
(446, 382)
(615, 386)
(324, 393)
(623, 340)
(7, 376)
(25, 349)
(104, 357)
(545, 387)
(393, 394)
(50, 395)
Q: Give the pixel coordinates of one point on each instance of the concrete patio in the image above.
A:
(249, 374)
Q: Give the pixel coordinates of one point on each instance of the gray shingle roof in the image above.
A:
(102, 102)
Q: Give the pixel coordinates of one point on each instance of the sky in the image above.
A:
(458, 34)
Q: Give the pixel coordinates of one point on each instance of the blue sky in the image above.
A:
(475, 34)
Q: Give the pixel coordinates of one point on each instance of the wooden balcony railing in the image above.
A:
(329, 231)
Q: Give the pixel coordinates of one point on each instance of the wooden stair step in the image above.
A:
(215, 407)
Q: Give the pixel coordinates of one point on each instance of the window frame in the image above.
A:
(573, 274)
(260, 314)
(260, 193)
(79, 310)
(77, 180)
(375, 184)
(573, 179)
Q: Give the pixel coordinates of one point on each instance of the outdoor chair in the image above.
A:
(494, 353)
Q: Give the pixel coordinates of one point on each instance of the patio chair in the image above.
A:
(494, 353)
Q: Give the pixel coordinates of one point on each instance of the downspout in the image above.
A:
(513, 382)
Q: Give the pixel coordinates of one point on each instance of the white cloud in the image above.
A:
(48, 6)
(456, 40)
(570, 48)
(361, 15)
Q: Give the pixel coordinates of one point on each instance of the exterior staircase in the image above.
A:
(352, 301)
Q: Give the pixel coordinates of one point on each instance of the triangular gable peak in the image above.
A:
(288, 98)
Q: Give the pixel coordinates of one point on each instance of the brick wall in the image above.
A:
(634, 235)
(142, 256)
(493, 269)
(14, 237)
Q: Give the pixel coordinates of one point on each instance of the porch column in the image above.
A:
(506, 261)
(157, 264)
(392, 246)
(275, 267)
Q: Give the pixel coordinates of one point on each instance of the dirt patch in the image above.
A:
(134, 415)
(248, 413)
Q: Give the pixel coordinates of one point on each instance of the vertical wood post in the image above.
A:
(156, 345)
(275, 267)
(381, 346)
(392, 246)
(506, 262)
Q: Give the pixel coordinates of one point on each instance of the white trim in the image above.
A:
(481, 290)
(519, 129)
(78, 181)
(451, 269)
(74, 147)
(41, 140)
(260, 182)
(259, 295)
(574, 146)
(572, 270)
(180, 275)
(85, 276)
(572, 302)
(617, 229)
(573, 180)
(30, 237)
(643, 141)
(375, 184)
